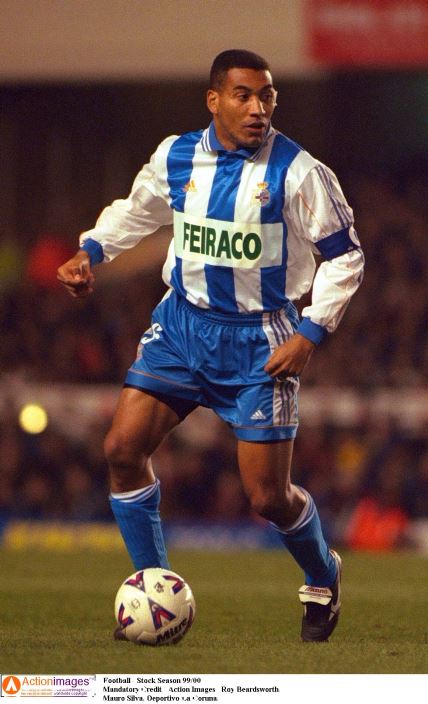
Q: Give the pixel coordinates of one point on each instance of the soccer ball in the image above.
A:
(155, 607)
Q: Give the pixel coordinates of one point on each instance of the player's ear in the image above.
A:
(212, 101)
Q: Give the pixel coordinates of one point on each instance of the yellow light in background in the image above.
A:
(33, 418)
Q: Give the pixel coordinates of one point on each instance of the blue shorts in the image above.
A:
(193, 357)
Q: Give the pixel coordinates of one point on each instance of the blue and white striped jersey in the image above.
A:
(247, 224)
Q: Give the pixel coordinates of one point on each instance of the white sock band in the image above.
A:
(304, 517)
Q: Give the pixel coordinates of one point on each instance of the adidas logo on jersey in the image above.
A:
(258, 415)
(190, 187)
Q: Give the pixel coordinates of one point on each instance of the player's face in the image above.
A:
(242, 107)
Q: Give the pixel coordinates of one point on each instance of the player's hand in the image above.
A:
(76, 276)
(290, 358)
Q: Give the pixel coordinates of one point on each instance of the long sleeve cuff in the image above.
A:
(314, 332)
(95, 251)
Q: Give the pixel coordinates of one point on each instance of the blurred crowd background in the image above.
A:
(69, 149)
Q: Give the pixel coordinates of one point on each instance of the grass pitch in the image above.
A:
(57, 616)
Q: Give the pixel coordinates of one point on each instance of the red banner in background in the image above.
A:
(369, 33)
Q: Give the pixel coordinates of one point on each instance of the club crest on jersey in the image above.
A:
(261, 195)
(190, 187)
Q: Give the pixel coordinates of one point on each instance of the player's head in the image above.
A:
(241, 98)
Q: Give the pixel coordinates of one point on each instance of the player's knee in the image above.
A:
(272, 505)
(265, 503)
(121, 452)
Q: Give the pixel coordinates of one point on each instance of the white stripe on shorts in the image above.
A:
(278, 329)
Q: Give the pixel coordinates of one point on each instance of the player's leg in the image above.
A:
(266, 475)
(265, 469)
(140, 423)
(159, 392)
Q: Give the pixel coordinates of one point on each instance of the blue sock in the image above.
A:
(305, 541)
(137, 515)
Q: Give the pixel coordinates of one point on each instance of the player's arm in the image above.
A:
(320, 215)
(122, 225)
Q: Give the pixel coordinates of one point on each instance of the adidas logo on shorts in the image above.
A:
(258, 415)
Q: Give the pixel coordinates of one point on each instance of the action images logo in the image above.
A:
(46, 685)
(10, 686)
